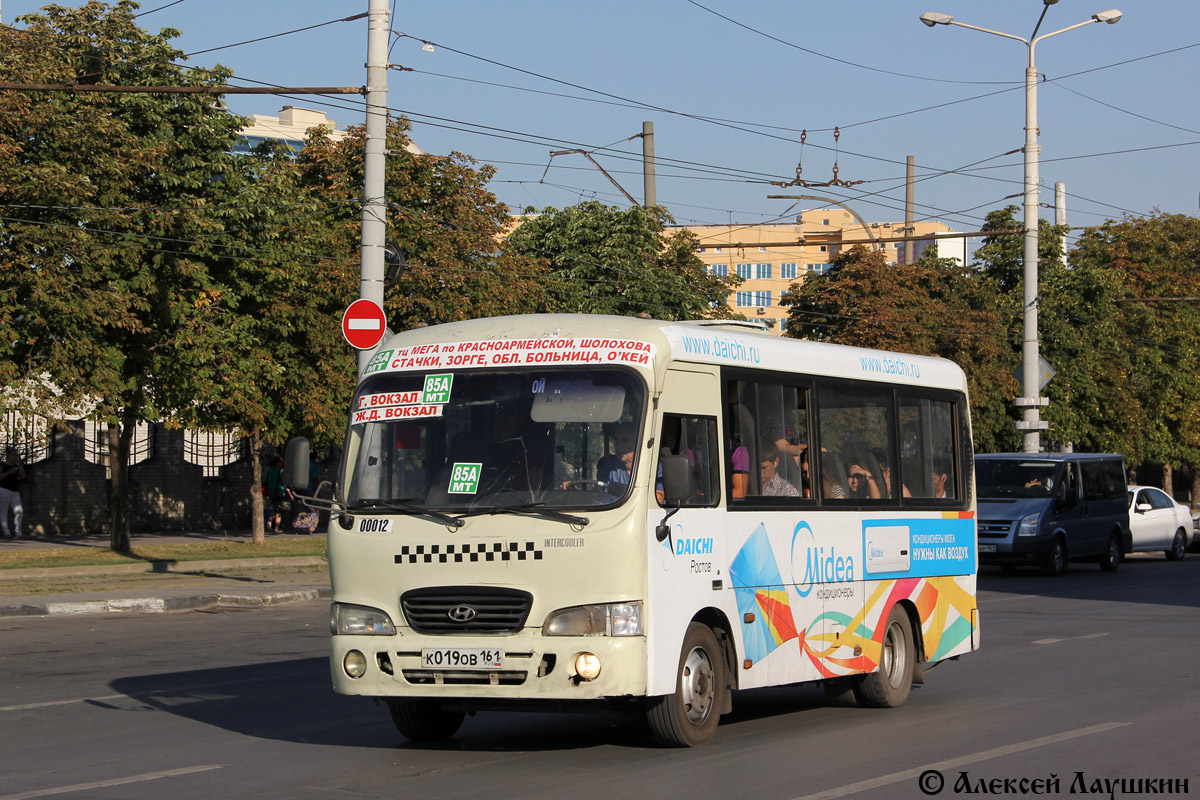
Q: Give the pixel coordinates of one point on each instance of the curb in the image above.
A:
(161, 605)
(161, 567)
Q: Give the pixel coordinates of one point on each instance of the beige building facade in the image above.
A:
(772, 257)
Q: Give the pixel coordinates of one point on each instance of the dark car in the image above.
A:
(1046, 509)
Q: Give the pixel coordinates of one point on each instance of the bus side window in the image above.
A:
(696, 438)
(857, 437)
(741, 450)
(928, 466)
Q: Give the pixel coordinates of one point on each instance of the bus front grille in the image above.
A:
(466, 609)
(464, 677)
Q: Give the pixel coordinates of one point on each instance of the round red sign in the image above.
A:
(363, 324)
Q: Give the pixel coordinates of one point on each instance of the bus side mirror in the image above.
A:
(676, 489)
(676, 480)
(295, 463)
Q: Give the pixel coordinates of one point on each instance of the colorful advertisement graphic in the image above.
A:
(761, 597)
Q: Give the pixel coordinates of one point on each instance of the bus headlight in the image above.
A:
(351, 620)
(1029, 526)
(603, 619)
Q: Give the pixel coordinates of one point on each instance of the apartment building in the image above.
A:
(291, 127)
(771, 257)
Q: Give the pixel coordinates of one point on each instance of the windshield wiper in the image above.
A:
(530, 510)
(400, 505)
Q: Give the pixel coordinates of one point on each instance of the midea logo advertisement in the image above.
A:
(812, 564)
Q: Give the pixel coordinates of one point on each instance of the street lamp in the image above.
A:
(1032, 402)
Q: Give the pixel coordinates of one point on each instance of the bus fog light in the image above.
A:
(355, 664)
(587, 666)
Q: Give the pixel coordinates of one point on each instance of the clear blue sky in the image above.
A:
(1125, 137)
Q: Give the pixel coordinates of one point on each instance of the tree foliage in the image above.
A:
(608, 260)
(1146, 330)
(106, 275)
(444, 219)
(934, 306)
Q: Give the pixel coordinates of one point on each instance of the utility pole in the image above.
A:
(909, 228)
(1060, 214)
(374, 211)
(648, 194)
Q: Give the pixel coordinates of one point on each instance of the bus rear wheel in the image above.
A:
(424, 720)
(688, 717)
(888, 686)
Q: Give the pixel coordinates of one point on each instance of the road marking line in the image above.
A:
(168, 692)
(1070, 638)
(983, 755)
(83, 787)
(50, 703)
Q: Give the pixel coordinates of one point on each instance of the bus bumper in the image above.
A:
(535, 667)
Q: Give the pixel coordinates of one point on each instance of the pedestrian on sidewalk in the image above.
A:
(11, 473)
(279, 497)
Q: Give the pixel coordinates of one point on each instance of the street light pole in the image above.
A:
(1031, 402)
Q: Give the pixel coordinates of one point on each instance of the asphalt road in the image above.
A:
(1090, 673)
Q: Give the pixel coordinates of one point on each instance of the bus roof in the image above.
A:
(596, 339)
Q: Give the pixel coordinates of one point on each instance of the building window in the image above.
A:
(819, 269)
(743, 270)
(745, 299)
(719, 269)
(761, 298)
(762, 249)
(824, 249)
(763, 271)
(825, 221)
(699, 249)
(787, 270)
(716, 249)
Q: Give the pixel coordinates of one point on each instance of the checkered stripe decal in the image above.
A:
(458, 553)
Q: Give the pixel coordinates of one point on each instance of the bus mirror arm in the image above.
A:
(663, 531)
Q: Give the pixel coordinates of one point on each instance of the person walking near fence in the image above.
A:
(11, 473)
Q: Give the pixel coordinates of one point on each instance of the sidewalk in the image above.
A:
(158, 587)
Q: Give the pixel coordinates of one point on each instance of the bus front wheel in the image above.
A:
(888, 686)
(688, 717)
(424, 720)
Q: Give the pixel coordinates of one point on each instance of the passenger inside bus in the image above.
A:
(773, 484)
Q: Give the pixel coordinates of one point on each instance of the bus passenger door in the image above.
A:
(687, 569)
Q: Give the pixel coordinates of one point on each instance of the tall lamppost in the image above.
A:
(1031, 423)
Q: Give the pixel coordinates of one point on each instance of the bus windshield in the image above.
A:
(1010, 478)
(487, 439)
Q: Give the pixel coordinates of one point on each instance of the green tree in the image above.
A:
(441, 215)
(107, 195)
(934, 306)
(608, 260)
(1150, 325)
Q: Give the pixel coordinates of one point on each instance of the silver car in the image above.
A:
(1157, 522)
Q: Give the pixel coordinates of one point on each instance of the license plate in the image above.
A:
(987, 548)
(462, 658)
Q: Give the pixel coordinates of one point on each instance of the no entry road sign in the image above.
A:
(363, 324)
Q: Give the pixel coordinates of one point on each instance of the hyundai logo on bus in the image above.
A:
(461, 613)
(363, 324)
